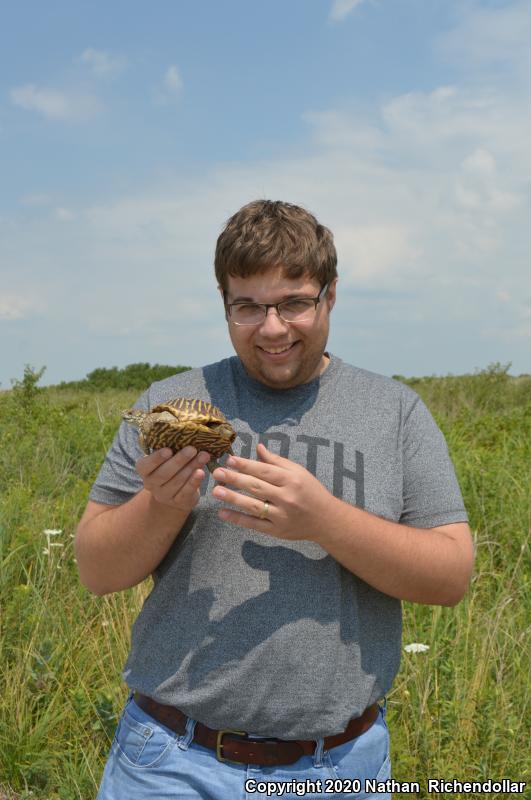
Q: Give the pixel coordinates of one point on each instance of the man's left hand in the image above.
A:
(297, 503)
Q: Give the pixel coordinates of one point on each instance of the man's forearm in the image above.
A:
(120, 547)
(422, 565)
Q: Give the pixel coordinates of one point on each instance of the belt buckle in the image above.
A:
(219, 745)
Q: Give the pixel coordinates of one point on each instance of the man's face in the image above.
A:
(304, 361)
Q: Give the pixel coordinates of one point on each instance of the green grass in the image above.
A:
(458, 710)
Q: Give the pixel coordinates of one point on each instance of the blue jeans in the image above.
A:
(148, 761)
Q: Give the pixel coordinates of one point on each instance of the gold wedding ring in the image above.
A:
(265, 510)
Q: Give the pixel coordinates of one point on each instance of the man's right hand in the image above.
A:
(174, 480)
(118, 546)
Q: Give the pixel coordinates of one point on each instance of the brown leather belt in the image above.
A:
(236, 746)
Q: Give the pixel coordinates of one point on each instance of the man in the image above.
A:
(274, 624)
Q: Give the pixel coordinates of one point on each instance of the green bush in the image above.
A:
(134, 376)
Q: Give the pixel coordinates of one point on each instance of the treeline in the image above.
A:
(133, 376)
(487, 390)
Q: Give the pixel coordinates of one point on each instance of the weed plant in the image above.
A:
(458, 710)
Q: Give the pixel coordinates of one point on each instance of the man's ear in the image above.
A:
(220, 290)
(331, 294)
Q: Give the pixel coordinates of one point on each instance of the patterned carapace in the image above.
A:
(181, 422)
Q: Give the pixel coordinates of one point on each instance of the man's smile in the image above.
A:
(277, 353)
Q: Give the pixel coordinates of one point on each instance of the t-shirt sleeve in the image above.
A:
(118, 480)
(431, 493)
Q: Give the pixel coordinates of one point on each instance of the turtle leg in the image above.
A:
(142, 443)
(214, 463)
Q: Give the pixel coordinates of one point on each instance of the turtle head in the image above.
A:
(134, 416)
(227, 432)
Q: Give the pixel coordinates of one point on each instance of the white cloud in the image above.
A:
(480, 188)
(13, 306)
(49, 102)
(371, 254)
(102, 64)
(335, 130)
(64, 214)
(505, 297)
(170, 87)
(55, 104)
(491, 38)
(484, 124)
(342, 8)
(431, 119)
(480, 161)
(172, 80)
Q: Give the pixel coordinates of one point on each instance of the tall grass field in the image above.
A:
(458, 710)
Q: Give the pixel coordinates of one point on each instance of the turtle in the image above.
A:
(180, 422)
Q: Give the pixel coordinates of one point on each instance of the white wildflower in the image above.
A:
(416, 647)
(49, 532)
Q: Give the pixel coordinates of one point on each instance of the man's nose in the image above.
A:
(273, 322)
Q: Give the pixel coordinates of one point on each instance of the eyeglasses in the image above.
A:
(295, 310)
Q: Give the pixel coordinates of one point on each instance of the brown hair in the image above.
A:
(269, 233)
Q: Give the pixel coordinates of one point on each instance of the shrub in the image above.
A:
(133, 376)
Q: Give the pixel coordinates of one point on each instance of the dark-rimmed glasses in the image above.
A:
(295, 310)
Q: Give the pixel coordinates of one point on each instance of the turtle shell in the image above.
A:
(184, 421)
(186, 408)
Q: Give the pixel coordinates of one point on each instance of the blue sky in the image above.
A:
(130, 133)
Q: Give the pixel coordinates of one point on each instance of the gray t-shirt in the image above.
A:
(275, 637)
